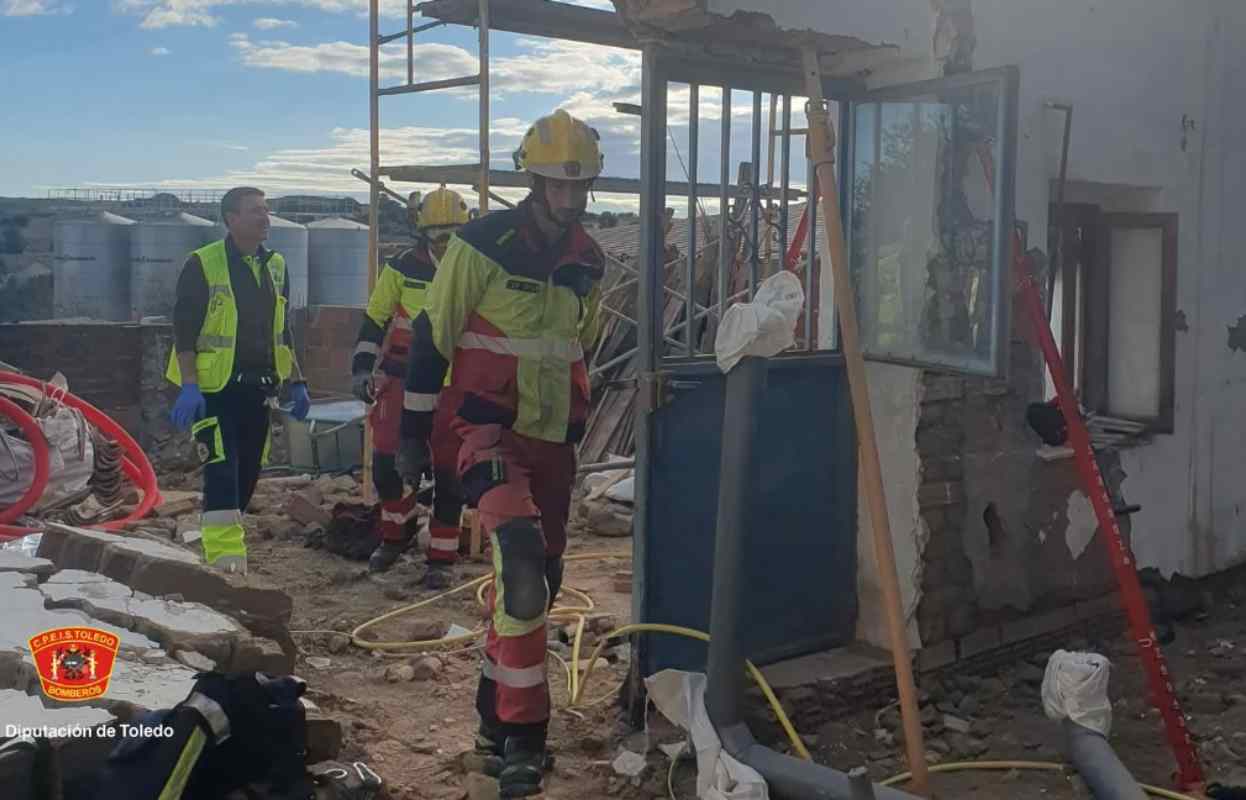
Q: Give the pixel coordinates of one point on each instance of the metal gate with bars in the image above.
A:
(900, 164)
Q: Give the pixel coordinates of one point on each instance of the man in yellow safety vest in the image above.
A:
(232, 350)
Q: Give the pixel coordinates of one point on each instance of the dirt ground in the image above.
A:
(414, 731)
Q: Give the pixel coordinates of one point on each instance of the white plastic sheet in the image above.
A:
(680, 696)
(1075, 686)
(764, 327)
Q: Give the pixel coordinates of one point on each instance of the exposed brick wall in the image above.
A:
(116, 367)
(947, 608)
(995, 513)
(326, 337)
(103, 362)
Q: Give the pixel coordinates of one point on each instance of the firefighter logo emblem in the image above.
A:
(74, 664)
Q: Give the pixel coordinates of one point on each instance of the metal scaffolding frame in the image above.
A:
(375, 92)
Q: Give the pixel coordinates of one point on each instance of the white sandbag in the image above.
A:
(71, 460)
(1075, 686)
(624, 491)
(764, 327)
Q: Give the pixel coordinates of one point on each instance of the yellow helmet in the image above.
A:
(441, 207)
(560, 146)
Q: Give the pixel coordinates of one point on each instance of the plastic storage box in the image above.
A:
(330, 439)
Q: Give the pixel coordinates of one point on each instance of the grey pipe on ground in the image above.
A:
(1097, 763)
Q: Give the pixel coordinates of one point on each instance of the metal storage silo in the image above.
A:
(91, 267)
(289, 239)
(337, 263)
(158, 249)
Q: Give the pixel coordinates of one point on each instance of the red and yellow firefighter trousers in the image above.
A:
(444, 445)
(521, 488)
(398, 513)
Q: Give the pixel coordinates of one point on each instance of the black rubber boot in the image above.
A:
(523, 768)
(491, 755)
(438, 576)
(386, 553)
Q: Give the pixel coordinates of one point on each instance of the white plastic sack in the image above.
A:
(680, 696)
(624, 491)
(1075, 685)
(764, 327)
(71, 460)
(595, 480)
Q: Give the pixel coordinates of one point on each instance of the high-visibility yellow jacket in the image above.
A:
(218, 335)
(514, 318)
(400, 294)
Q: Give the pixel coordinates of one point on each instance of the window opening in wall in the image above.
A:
(1118, 312)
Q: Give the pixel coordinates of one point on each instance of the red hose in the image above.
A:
(39, 444)
(136, 464)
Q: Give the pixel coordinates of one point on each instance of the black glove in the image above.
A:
(413, 459)
(361, 386)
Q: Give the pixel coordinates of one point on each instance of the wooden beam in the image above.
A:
(469, 174)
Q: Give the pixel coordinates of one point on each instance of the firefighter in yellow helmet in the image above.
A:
(511, 311)
(399, 295)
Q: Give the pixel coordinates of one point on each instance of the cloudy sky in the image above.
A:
(206, 94)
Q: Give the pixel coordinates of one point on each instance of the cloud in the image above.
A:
(33, 8)
(545, 66)
(326, 170)
(160, 51)
(587, 80)
(189, 13)
(432, 61)
(271, 23)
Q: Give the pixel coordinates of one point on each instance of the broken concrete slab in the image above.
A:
(158, 569)
(26, 614)
(80, 548)
(13, 561)
(21, 710)
(175, 625)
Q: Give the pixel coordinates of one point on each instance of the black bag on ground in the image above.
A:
(353, 533)
(231, 731)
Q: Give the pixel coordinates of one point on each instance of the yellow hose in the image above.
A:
(1048, 766)
(576, 683)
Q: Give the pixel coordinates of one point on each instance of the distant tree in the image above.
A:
(607, 220)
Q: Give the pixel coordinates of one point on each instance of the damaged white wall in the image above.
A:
(1131, 70)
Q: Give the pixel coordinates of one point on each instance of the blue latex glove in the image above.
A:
(189, 407)
(302, 400)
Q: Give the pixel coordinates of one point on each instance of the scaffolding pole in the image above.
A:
(374, 201)
(483, 203)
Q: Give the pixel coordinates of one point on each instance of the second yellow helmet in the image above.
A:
(441, 207)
